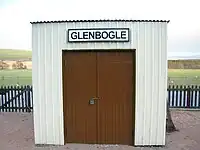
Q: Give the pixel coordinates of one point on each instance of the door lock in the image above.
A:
(93, 100)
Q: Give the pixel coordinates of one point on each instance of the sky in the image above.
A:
(183, 29)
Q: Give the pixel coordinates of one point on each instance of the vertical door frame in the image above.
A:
(64, 51)
(63, 96)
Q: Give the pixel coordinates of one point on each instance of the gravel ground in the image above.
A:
(16, 130)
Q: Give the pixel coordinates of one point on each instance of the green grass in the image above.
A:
(9, 54)
(184, 76)
(24, 77)
(14, 77)
(175, 76)
(183, 72)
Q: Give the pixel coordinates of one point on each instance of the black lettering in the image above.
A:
(111, 35)
(85, 35)
(117, 37)
(79, 36)
(123, 34)
(91, 34)
(104, 35)
(98, 35)
(74, 35)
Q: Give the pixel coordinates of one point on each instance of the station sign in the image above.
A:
(99, 35)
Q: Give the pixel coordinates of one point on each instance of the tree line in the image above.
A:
(184, 64)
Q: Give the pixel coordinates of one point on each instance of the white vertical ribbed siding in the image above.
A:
(151, 86)
(35, 78)
(99, 45)
(149, 40)
(163, 83)
(47, 85)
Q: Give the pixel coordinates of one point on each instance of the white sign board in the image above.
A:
(99, 35)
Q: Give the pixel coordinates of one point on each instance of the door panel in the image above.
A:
(79, 86)
(115, 87)
(109, 76)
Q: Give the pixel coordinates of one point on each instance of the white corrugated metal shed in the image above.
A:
(148, 37)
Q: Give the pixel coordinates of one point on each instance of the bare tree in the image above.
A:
(170, 127)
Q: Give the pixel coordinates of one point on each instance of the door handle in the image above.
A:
(95, 98)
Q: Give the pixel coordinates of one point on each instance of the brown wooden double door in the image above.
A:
(98, 97)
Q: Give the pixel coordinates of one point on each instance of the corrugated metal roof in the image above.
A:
(104, 20)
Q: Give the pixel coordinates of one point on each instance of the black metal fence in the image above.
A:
(16, 99)
(20, 98)
(184, 96)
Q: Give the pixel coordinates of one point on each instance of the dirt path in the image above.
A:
(16, 130)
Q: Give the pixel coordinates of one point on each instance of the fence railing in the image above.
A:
(184, 96)
(16, 99)
(20, 99)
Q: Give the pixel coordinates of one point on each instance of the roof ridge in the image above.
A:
(100, 20)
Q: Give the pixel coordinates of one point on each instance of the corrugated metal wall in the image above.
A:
(150, 41)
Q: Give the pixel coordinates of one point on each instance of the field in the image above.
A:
(15, 77)
(9, 54)
(177, 73)
(184, 76)
(175, 76)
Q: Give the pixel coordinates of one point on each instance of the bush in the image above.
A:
(19, 65)
(3, 65)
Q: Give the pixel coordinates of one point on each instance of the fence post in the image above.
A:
(188, 97)
(29, 98)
